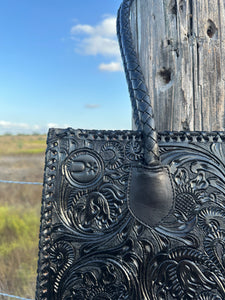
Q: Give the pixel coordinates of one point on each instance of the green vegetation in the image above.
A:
(22, 144)
(21, 158)
(18, 249)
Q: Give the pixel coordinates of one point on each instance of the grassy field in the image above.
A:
(21, 159)
(22, 144)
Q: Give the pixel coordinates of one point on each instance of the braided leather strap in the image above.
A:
(141, 104)
(130, 88)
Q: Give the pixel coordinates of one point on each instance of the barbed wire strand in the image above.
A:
(20, 182)
(17, 182)
(12, 296)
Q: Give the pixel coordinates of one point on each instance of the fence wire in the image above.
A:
(21, 182)
(17, 182)
(14, 297)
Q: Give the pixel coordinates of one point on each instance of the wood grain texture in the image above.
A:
(180, 44)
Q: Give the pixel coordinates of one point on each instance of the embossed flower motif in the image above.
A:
(211, 220)
(190, 193)
(184, 273)
(113, 155)
(94, 288)
(134, 151)
(91, 212)
(61, 254)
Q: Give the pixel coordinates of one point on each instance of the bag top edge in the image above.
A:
(166, 136)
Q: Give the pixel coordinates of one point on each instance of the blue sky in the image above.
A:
(60, 66)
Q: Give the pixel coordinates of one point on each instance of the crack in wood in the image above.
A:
(174, 7)
(191, 17)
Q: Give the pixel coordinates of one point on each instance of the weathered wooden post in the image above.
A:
(181, 49)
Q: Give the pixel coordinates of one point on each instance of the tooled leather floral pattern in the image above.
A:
(99, 251)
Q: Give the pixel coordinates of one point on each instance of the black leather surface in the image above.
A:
(92, 247)
(150, 194)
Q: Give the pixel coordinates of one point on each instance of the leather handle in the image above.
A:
(140, 100)
(130, 88)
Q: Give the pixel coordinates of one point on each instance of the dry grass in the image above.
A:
(19, 249)
(21, 159)
(22, 167)
(22, 144)
(17, 194)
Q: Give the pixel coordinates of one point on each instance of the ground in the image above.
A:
(21, 159)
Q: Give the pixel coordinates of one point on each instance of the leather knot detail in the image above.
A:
(150, 194)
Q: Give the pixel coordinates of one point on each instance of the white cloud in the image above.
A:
(37, 127)
(9, 125)
(106, 28)
(97, 44)
(25, 128)
(99, 40)
(53, 125)
(81, 29)
(92, 106)
(111, 67)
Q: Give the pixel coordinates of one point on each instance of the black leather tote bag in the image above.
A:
(135, 215)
